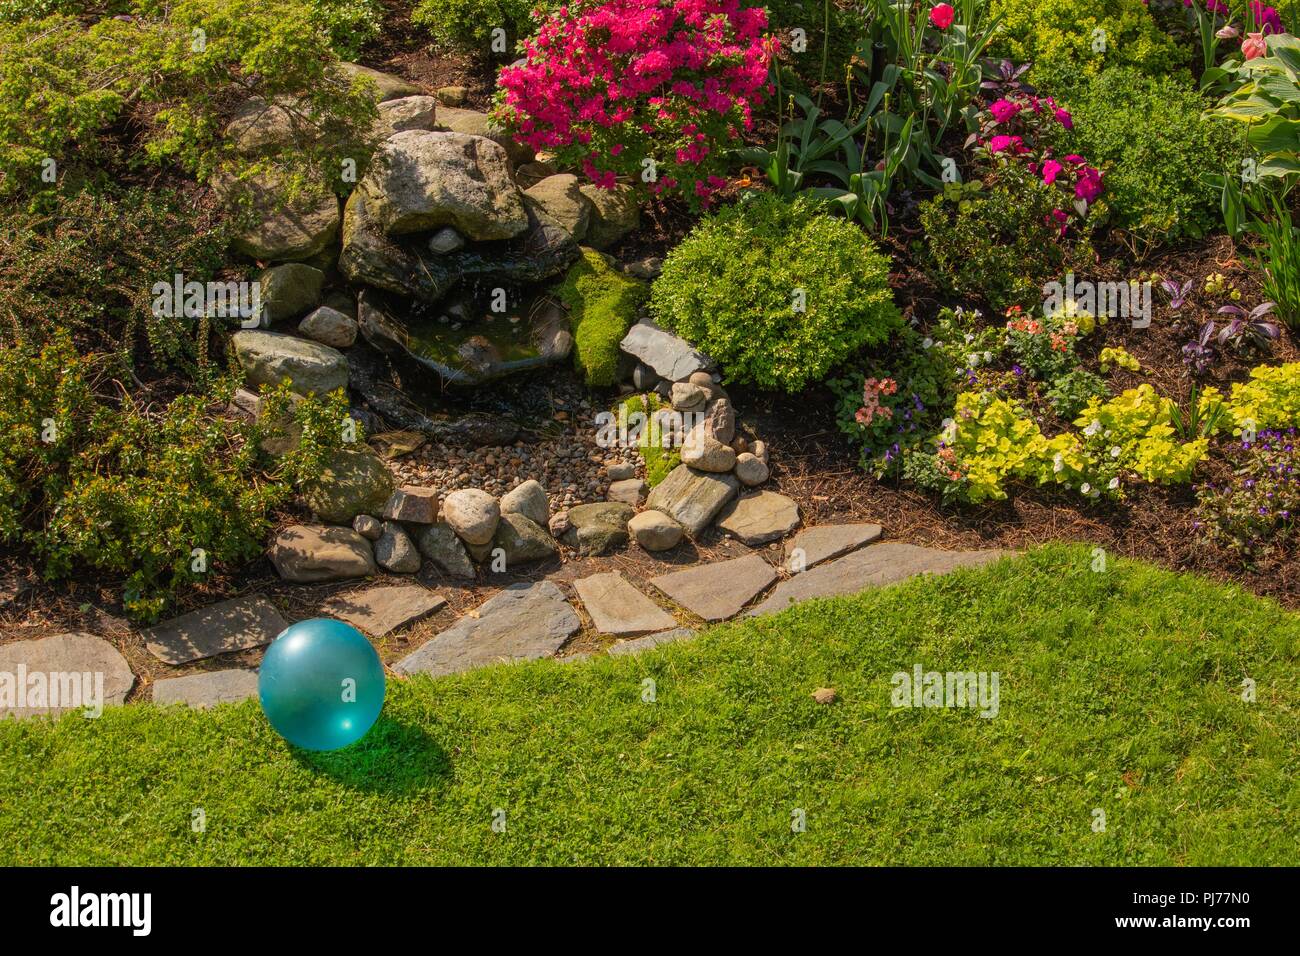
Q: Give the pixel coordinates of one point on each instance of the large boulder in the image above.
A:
(408, 112)
(422, 180)
(474, 123)
(564, 202)
(597, 529)
(387, 87)
(409, 268)
(614, 214)
(440, 545)
(308, 554)
(281, 228)
(269, 358)
(522, 540)
(287, 291)
(692, 498)
(528, 499)
(354, 481)
(473, 514)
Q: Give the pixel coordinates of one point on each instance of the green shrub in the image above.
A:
(602, 304)
(1000, 246)
(467, 25)
(1148, 135)
(1058, 37)
(351, 24)
(88, 266)
(90, 483)
(777, 292)
(159, 88)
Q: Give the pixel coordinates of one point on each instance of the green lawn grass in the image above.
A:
(1119, 691)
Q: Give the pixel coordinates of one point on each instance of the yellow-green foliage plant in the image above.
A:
(1070, 41)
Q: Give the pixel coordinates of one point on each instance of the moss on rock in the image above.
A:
(602, 304)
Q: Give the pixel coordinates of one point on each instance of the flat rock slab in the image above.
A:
(75, 671)
(671, 358)
(639, 644)
(875, 566)
(692, 498)
(378, 610)
(233, 625)
(616, 607)
(523, 622)
(758, 519)
(812, 546)
(717, 591)
(207, 690)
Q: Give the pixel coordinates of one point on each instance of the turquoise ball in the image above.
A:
(321, 684)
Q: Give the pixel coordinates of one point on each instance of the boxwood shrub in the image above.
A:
(777, 292)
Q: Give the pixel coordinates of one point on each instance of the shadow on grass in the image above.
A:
(394, 757)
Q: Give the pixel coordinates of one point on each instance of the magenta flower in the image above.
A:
(1063, 117)
(1051, 169)
(1088, 186)
(1266, 17)
(1004, 110)
(1000, 144)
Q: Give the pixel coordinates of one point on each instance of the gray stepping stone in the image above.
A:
(717, 591)
(523, 622)
(875, 566)
(692, 498)
(639, 644)
(827, 541)
(616, 607)
(75, 671)
(378, 610)
(758, 519)
(208, 689)
(233, 625)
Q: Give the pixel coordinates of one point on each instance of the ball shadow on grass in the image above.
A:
(394, 757)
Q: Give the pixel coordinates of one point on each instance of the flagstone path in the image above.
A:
(520, 622)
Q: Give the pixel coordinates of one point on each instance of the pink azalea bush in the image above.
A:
(608, 84)
(1018, 128)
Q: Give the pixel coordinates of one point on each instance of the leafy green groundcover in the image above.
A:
(1119, 691)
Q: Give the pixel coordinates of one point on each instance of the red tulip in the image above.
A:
(941, 15)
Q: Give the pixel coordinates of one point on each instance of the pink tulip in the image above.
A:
(941, 15)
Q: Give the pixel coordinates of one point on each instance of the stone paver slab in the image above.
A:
(76, 671)
(616, 607)
(758, 519)
(717, 591)
(378, 610)
(827, 541)
(875, 566)
(639, 644)
(233, 625)
(521, 623)
(208, 689)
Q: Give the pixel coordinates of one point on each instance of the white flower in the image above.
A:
(1093, 427)
(988, 357)
(1115, 452)
(969, 338)
(948, 431)
(972, 360)
(927, 343)
(1114, 483)
(1085, 488)
(1058, 463)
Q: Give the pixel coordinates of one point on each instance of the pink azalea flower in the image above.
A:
(941, 15)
